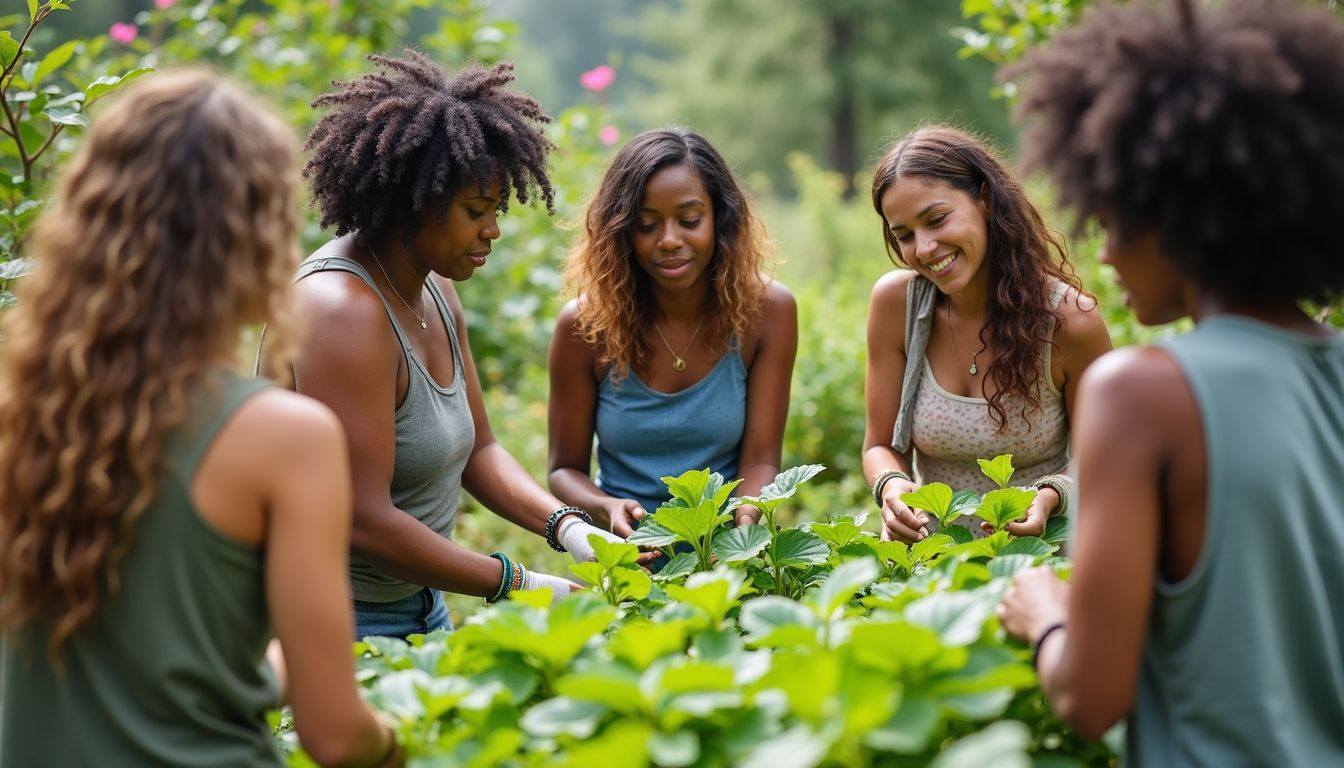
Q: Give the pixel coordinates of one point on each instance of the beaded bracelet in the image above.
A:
(505, 580)
(554, 519)
(1061, 484)
(884, 477)
(1036, 646)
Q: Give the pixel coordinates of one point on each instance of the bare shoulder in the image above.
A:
(777, 300)
(449, 291)
(1132, 382)
(567, 342)
(345, 317)
(1082, 329)
(891, 291)
(282, 424)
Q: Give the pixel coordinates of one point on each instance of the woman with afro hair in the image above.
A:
(1203, 602)
(678, 350)
(411, 167)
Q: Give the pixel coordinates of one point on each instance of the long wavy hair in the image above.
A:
(1023, 257)
(173, 228)
(616, 296)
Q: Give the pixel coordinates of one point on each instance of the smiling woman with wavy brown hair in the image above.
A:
(153, 502)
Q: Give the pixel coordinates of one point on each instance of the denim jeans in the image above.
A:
(420, 613)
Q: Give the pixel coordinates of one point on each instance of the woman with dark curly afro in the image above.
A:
(976, 348)
(411, 167)
(1203, 603)
(678, 350)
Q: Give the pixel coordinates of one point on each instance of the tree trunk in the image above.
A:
(843, 117)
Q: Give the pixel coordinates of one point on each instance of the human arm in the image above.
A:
(494, 476)
(306, 495)
(571, 419)
(1130, 404)
(768, 381)
(883, 381)
(351, 361)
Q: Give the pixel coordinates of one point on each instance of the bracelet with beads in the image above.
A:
(884, 477)
(552, 523)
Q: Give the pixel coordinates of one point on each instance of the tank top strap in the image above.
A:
(341, 264)
(446, 314)
(211, 402)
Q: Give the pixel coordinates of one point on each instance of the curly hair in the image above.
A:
(410, 133)
(616, 296)
(172, 229)
(1221, 130)
(1024, 258)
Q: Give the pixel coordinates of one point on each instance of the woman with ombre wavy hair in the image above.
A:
(976, 346)
(157, 509)
(678, 350)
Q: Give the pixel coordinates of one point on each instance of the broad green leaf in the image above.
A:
(958, 617)
(841, 585)
(631, 584)
(797, 548)
(689, 487)
(398, 693)
(986, 547)
(722, 645)
(712, 593)
(563, 715)
(9, 48)
(763, 616)
(1027, 545)
(999, 469)
(519, 681)
(892, 552)
(741, 543)
(641, 642)
(613, 554)
(623, 743)
(53, 61)
(959, 534)
(674, 750)
(693, 675)
(935, 498)
(787, 482)
(650, 533)
(909, 730)
(611, 685)
(1003, 745)
(798, 747)
(1056, 530)
(681, 564)
(691, 523)
(1007, 564)
(842, 530)
(32, 10)
(109, 83)
(1004, 505)
(33, 139)
(588, 573)
(926, 550)
(66, 116)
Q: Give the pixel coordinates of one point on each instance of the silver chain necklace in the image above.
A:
(417, 315)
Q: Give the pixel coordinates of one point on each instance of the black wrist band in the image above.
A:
(553, 522)
(1036, 646)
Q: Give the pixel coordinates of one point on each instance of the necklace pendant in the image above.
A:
(972, 369)
(679, 364)
(423, 325)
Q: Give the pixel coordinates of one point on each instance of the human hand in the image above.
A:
(899, 521)
(560, 587)
(746, 515)
(573, 536)
(624, 513)
(1033, 522)
(1035, 600)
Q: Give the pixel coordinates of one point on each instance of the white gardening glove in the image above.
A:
(573, 536)
(559, 587)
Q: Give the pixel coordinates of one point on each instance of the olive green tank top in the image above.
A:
(170, 671)
(1243, 664)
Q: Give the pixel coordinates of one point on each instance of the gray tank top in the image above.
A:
(434, 434)
(1243, 664)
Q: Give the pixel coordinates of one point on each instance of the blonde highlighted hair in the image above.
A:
(172, 229)
(615, 295)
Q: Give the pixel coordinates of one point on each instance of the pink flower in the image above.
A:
(609, 135)
(598, 78)
(123, 33)
(164, 5)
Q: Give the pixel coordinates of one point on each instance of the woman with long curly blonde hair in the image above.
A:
(678, 350)
(158, 511)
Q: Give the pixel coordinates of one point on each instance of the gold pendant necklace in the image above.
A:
(395, 292)
(947, 310)
(679, 361)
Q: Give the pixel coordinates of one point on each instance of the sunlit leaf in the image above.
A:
(741, 543)
(999, 469)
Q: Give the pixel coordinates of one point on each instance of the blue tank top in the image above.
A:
(1243, 664)
(644, 435)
